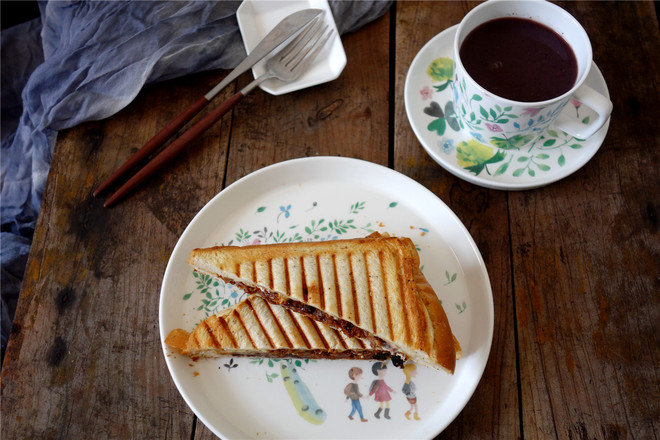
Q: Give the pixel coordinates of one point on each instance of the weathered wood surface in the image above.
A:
(586, 257)
(574, 266)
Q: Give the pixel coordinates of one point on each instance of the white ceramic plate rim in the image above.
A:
(257, 17)
(362, 174)
(595, 79)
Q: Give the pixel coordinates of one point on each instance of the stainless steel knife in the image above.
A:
(280, 33)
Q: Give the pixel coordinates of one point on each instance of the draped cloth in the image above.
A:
(83, 61)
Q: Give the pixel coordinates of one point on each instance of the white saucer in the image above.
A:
(554, 156)
(258, 17)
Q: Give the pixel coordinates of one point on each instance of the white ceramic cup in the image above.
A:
(495, 118)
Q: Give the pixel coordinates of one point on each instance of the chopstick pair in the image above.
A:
(284, 30)
(168, 153)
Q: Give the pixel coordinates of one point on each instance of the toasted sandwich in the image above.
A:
(368, 288)
(255, 328)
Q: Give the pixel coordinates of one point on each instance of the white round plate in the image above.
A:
(429, 106)
(326, 198)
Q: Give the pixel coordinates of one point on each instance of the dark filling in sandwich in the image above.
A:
(398, 359)
(318, 354)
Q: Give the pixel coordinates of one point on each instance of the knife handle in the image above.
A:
(159, 139)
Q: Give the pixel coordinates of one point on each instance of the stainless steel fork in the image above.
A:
(287, 65)
(292, 61)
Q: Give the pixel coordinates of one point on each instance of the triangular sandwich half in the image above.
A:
(253, 327)
(369, 288)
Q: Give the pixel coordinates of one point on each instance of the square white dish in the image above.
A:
(258, 17)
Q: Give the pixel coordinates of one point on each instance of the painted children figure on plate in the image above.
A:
(352, 391)
(380, 390)
(409, 390)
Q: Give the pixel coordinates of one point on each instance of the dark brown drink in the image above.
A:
(519, 59)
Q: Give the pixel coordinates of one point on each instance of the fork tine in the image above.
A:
(295, 58)
(288, 64)
(312, 51)
(300, 40)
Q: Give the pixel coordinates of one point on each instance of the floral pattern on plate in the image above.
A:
(316, 199)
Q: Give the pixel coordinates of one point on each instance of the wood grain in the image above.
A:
(585, 259)
(574, 266)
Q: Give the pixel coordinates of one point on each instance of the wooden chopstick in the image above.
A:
(153, 144)
(173, 150)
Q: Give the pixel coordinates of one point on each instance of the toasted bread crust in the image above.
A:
(443, 349)
(371, 283)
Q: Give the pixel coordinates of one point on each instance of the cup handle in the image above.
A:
(592, 99)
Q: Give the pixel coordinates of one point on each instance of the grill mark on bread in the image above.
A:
(285, 334)
(271, 281)
(335, 275)
(287, 281)
(319, 276)
(309, 270)
(315, 325)
(369, 296)
(351, 279)
(414, 315)
(404, 313)
(225, 328)
(307, 287)
(264, 330)
(342, 339)
(387, 292)
(358, 341)
(303, 280)
(245, 329)
(299, 328)
(211, 336)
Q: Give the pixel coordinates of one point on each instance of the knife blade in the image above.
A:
(280, 33)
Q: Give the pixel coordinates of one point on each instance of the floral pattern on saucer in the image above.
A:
(488, 152)
(469, 143)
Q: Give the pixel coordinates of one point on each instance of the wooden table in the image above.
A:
(574, 266)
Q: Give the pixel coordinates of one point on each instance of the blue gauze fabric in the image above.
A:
(83, 61)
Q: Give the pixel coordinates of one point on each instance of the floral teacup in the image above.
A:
(506, 123)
